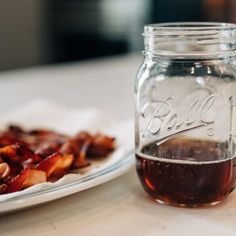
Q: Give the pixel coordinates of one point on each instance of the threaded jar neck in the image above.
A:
(190, 39)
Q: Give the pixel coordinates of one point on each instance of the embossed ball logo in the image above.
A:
(161, 118)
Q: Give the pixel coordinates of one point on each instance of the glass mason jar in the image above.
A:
(185, 113)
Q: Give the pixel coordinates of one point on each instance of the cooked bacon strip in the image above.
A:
(80, 160)
(101, 145)
(78, 149)
(19, 154)
(16, 130)
(9, 152)
(25, 179)
(39, 155)
(55, 165)
(4, 170)
(3, 188)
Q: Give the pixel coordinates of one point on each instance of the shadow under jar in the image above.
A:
(185, 127)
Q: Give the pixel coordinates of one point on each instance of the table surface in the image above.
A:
(119, 207)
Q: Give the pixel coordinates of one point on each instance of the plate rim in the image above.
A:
(89, 181)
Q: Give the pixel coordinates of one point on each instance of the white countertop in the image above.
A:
(119, 207)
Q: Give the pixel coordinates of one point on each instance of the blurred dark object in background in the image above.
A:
(22, 32)
(36, 32)
(82, 29)
(174, 11)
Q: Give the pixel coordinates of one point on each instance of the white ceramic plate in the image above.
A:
(32, 199)
(44, 114)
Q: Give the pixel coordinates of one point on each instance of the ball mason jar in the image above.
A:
(185, 97)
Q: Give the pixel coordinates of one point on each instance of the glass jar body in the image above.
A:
(185, 129)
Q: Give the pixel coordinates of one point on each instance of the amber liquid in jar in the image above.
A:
(170, 174)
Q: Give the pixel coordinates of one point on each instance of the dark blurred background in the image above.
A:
(37, 32)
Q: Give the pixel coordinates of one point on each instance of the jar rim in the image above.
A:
(188, 26)
(191, 39)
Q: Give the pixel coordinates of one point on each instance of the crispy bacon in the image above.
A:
(25, 179)
(17, 153)
(78, 149)
(35, 156)
(4, 170)
(55, 165)
(101, 145)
